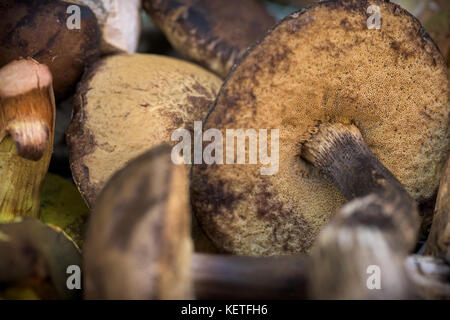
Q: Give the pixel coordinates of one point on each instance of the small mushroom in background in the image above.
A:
(34, 261)
(127, 104)
(27, 113)
(119, 21)
(438, 243)
(213, 33)
(39, 29)
(315, 67)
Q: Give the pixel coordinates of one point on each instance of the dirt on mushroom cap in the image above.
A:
(127, 104)
(317, 65)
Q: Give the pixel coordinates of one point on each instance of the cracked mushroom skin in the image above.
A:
(38, 29)
(316, 66)
(214, 33)
(128, 104)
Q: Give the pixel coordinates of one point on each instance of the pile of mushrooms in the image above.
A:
(327, 141)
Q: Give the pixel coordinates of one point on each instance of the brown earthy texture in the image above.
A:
(37, 29)
(138, 244)
(27, 121)
(36, 256)
(439, 239)
(324, 65)
(214, 33)
(127, 104)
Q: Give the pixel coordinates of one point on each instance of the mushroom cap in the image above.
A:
(127, 104)
(37, 256)
(214, 33)
(317, 65)
(138, 244)
(38, 29)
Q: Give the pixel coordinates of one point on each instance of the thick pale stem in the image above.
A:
(27, 116)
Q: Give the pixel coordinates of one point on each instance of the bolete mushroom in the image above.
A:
(27, 119)
(127, 104)
(35, 258)
(138, 244)
(438, 243)
(326, 64)
(59, 34)
(214, 33)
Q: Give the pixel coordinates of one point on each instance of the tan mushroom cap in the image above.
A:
(126, 105)
(214, 33)
(317, 65)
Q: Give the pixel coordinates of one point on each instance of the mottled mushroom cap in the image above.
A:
(128, 104)
(214, 33)
(323, 64)
(138, 244)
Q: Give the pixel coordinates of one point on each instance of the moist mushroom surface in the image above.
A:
(316, 66)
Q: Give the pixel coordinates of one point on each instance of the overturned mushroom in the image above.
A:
(50, 32)
(35, 259)
(322, 65)
(438, 243)
(214, 33)
(27, 120)
(127, 104)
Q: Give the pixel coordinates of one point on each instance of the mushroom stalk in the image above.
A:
(27, 116)
(365, 245)
(340, 152)
(241, 277)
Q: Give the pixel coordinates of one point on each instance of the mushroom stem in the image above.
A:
(373, 233)
(341, 154)
(241, 277)
(27, 116)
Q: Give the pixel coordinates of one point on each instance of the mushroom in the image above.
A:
(372, 233)
(40, 29)
(138, 245)
(27, 119)
(214, 33)
(35, 260)
(317, 66)
(120, 22)
(141, 227)
(127, 104)
(438, 243)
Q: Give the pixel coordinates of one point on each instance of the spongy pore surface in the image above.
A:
(318, 65)
(128, 104)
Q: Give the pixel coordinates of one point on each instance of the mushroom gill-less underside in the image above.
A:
(323, 65)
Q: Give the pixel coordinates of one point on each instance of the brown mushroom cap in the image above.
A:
(324, 65)
(38, 29)
(214, 33)
(36, 256)
(127, 104)
(138, 244)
